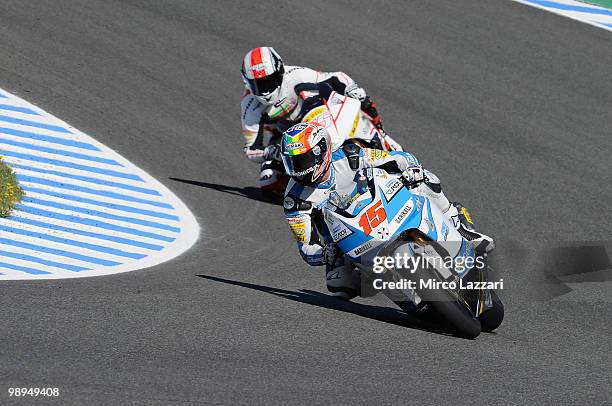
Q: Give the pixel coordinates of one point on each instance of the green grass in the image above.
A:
(602, 3)
(10, 191)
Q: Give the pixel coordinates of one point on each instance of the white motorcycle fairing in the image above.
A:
(380, 208)
(342, 117)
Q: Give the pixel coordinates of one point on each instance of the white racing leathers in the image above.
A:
(286, 108)
(303, 205)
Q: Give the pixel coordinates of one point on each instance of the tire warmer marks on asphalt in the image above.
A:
(587, 13)
(87, 211)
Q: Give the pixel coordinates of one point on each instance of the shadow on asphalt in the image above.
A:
(250, 192)
(379, 313)
(551, 267)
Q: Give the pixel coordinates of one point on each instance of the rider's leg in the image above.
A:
(371, 111)
(342, 281)
(393, 145)
(455, 212)
(382, 140)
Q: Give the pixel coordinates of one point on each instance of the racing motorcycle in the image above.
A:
(384, 218)
(339, 114)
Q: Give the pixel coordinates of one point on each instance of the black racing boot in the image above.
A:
(342, 280)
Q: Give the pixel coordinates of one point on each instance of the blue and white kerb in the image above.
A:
(87, 210)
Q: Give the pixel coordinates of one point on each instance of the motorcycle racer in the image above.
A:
(273, 96)
(319, 174)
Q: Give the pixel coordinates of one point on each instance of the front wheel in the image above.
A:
(454, 312)
(446, 302)
(492, 318)
(444, 299)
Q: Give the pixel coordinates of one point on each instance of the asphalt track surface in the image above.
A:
(509, 105)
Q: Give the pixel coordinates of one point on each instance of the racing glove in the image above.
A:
(272, 153)
(414, 174)
(355, 92)
(367, 105)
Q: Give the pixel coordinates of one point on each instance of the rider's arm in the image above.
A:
(299, 216)
(339, 81)
(253, 128)
(343, 84)
(391, 161)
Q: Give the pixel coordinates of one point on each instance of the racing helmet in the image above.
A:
(306, 152)
(262, 72)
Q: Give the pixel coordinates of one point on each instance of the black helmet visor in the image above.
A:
(301, 167)
(265, 85)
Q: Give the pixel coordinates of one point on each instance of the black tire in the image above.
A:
(493, 317)
(463, 324)
(450, 307)
(446, 302)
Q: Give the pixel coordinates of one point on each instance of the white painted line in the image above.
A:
(87, 211)
(90, 216)
(89, 177)
(70, 236)
(53, 225)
